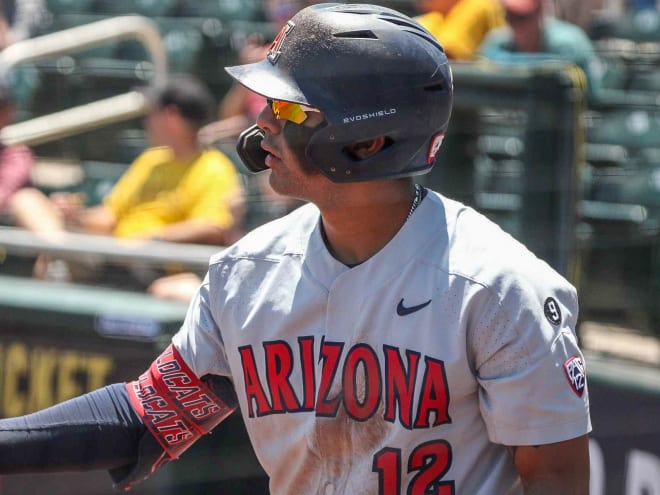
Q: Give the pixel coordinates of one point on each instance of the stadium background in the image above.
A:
(578, 182)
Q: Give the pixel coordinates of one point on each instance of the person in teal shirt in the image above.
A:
(532, 37)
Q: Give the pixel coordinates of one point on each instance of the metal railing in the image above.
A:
(96, 114)
(17, 241)
(82, 118)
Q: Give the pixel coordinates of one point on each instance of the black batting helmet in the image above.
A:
(373, 72)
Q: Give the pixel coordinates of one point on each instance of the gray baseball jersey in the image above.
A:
(408, 373)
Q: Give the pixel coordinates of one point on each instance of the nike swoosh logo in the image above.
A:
(401, 310)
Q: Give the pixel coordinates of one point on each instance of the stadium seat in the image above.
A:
(405, 6)
(634, 129)
(25, 81)
(95, 181)
(59, 22)
(149, 8)
(615, 74)
(69, 6)
(609, 185)
(183, 46)
(99, 178)
(645, 80)
(226, 10)
(643, 187)
(182, 40)
(130, 143)
(640, 26)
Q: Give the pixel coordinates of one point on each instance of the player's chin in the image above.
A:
(278, 180)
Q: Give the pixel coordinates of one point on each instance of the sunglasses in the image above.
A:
(293, 112)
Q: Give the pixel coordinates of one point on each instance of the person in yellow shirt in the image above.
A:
(460, 25)
(176, 199)
(175, 191)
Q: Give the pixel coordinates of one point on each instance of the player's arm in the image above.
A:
(130, 429)
(561, 467)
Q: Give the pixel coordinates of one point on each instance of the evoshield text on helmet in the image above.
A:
(373, 72)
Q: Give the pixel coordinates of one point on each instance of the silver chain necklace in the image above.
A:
(416, 200)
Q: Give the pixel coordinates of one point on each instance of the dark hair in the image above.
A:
(188, 94)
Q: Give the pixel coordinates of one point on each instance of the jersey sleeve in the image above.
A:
(530, 370)
(199, 340)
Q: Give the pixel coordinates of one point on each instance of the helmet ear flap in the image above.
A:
(250, 151)
(364, 149)
(330, 150)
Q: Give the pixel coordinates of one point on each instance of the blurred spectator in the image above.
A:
(238, 110)
(19, 20)
(239, 107)
(176, 191)
(16, 161)
(533, 37)
(460, 25)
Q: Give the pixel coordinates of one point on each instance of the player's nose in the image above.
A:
(267, 122)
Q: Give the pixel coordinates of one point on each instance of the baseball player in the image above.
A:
(381, 339)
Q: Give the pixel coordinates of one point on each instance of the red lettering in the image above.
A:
(434, 397)
(158, 416)
(330, 353)
(156, 397)
(165, 367)
(387, 463)
(175, 425)
(432, 460)
(279, 364)
(361, 397)
(400, 385)
(182, 393)
(306, 345)
(176, 379)
(197, 400)
(178, 437)
(253, 390)
(362, 386)
(201, 413)
(154, 402)
(146, 391)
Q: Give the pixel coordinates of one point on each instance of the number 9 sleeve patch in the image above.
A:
(552, 311)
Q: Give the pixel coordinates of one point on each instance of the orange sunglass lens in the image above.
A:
(285, 110)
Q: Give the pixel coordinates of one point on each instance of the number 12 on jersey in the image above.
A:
(431, 460)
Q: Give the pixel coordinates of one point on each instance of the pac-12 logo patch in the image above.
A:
(275, 49)
(576, 374)
(552, 311)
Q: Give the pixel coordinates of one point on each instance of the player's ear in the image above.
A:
(364, 149)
